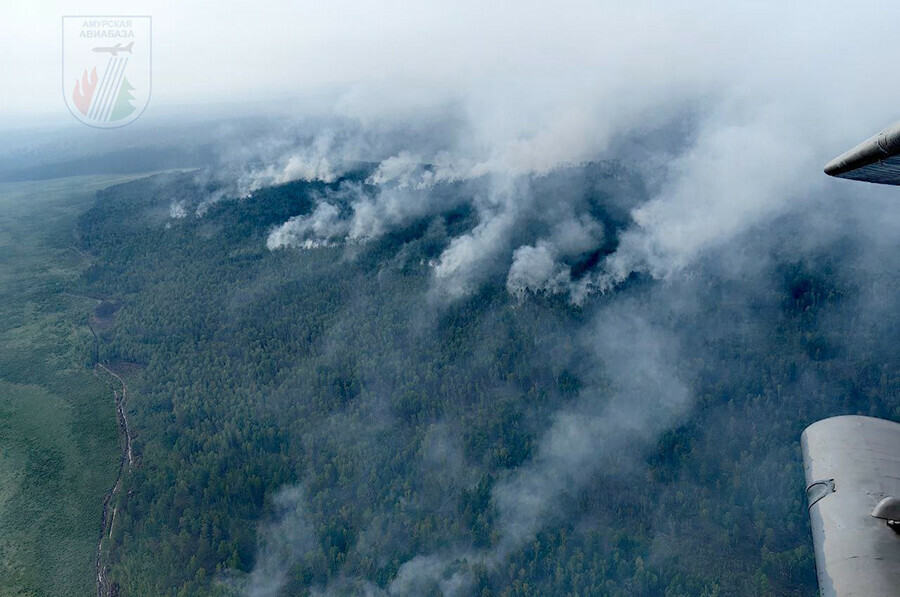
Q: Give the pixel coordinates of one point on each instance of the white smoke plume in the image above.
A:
(535, 269)
(282, 544)
(177, 210)
(601, 435)
(321, 228)
(368, 213)
(323, 159)
(771, 111)
(777, 90)
(538, 268)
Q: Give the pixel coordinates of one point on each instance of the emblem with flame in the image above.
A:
(106, 68)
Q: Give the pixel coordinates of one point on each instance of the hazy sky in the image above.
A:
(512, 59)
(779, 88)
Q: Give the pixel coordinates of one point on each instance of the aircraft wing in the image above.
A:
(876, 160)
(852, 464)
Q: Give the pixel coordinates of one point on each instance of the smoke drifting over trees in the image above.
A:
(767, 113)
(552, 326)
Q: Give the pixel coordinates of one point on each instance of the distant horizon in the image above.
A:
(446, 298)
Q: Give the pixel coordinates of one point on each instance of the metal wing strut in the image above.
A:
(876, 160)
(852, 469)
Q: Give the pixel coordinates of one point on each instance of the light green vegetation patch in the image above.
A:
(58, 437)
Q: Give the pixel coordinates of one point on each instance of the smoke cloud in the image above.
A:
(540, 149)
(642, 393)
(770, 113)
(283, 543)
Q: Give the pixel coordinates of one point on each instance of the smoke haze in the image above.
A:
(647, 176)
(767, 100)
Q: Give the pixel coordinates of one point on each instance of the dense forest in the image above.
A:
(318, 422)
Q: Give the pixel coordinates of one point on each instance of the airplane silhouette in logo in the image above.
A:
(114, 50)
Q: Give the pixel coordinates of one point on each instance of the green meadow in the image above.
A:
(58, 436)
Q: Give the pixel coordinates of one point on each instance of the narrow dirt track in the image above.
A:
(120, 393)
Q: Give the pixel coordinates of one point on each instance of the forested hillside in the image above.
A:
(320, 420)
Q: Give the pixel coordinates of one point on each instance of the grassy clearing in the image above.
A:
(58, 437)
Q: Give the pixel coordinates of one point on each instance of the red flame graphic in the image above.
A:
(84, 91)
